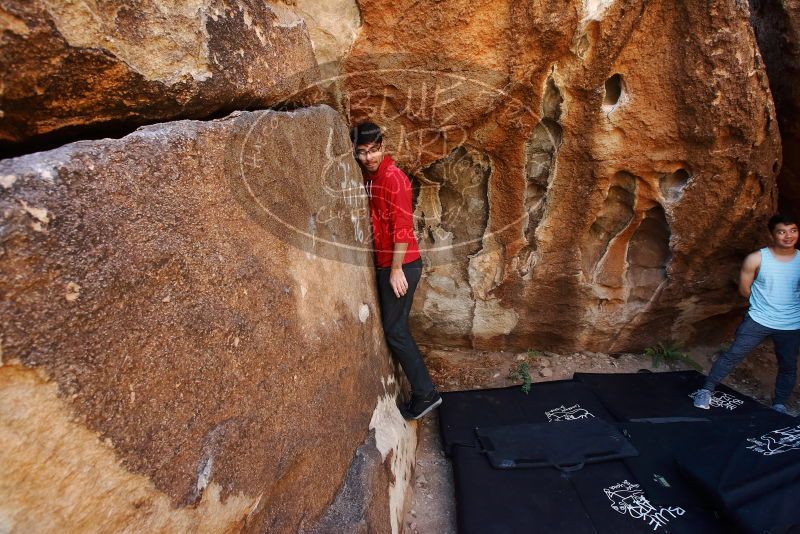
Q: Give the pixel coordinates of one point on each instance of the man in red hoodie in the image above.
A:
(397, 259)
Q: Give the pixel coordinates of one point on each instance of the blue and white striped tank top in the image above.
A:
(775, 294)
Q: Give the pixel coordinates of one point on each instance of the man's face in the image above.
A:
(370, 155)
(785, 235)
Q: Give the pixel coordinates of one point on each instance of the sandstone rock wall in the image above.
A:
(190, 332)
(70, 69)
(777, 29)
(170, 361)
(624, 157)
(333, 26)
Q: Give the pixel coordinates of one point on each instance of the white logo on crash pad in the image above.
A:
(567, 414)
(628, 498)
(776, 442)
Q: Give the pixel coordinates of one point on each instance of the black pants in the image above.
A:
(394, 315)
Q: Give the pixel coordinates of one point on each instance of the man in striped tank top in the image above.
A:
(770, 278)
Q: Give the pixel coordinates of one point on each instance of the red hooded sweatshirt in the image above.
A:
(389, 191)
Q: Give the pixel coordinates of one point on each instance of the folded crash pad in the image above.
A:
(565, 445)
(463, 411)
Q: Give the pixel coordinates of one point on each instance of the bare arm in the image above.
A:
(399, 254)
(748, 273)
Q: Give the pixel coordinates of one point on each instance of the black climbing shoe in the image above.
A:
(421, 406)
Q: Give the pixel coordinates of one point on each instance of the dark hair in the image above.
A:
(366, 133)
(780, 218)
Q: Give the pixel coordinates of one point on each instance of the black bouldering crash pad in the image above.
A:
(600, 498)
(739, 464)
(738, 461)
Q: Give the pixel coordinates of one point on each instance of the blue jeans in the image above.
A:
(748, 336)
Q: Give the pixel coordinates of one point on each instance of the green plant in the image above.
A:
(534, 353)
(669, 352)
(522, 371)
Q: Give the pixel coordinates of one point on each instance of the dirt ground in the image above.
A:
(432, 509)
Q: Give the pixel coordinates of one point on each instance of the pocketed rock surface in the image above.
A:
(777, 29)
(590, 174)
(170, 362)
